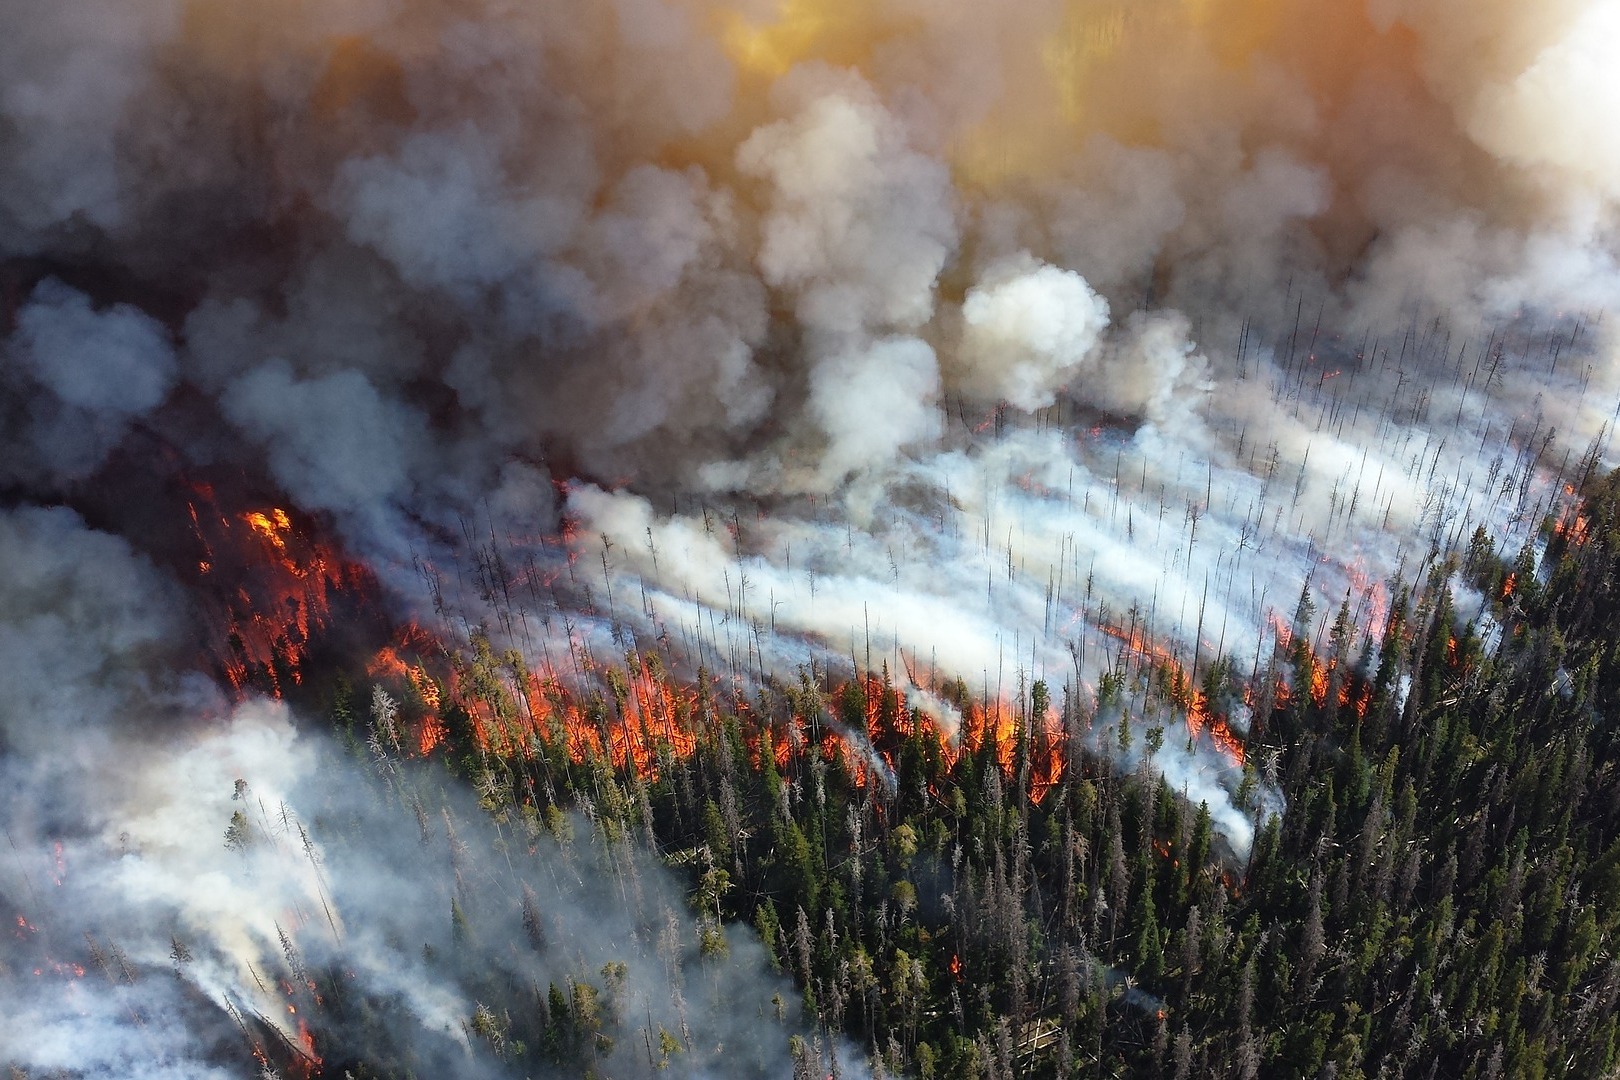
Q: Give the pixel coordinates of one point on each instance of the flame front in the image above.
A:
(268, 586)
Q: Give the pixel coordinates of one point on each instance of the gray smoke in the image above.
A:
(184, 878)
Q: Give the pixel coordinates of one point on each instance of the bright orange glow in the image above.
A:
(1319, 679)
(432, 734)
(268, 591)
(637, 717)
(273, 527)
(1201, 719)
(1045, 775)
(1359, 698)
(1375, 597)
(838, 32)
(1573, 527)
(1285, 633)
(650, 713)
(306, 1043)
(388, 664)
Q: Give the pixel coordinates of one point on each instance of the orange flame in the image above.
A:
(306, 1043)
(1202, 720)
(273, 527)
(268, 590)
(1574, 528)
(651, 713)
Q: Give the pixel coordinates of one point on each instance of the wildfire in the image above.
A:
(388, 663)
(1360, 699)
(431, 736)
(306, 1043)
(650, 712)
(834, 747)
(1374, 598)
(1319, 679)
(993, 723)
(273, 527)
(1048, 772)
(1284, 632)
(1572, 525)
(632, 717)
(268, 586)
(1202, 720)
(1574, 528)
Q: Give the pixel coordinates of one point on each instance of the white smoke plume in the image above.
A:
(1028, 329)
(967, 338)
(183, 879)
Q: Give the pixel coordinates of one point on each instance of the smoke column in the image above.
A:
(976, 340)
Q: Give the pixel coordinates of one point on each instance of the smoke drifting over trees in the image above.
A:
(985, 341)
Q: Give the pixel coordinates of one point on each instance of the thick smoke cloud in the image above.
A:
(1028, 329)
(964, 337)
(87, 629)
(77, 378)
(332, 441)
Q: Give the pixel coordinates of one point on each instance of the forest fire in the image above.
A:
(273, 527)
(1573, 528)
(389, 664)
(306, 1045)
(632, 716)
(1372, 607)
(572, 388)
(64, 970)
(269, 586)
(1202, 720)
(650, 714)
